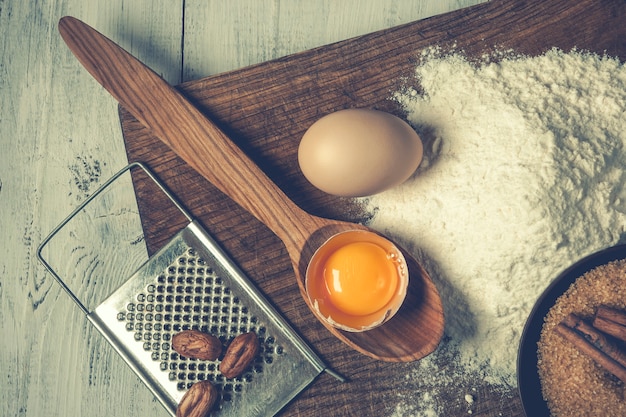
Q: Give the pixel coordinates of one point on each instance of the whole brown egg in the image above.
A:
(359, 152)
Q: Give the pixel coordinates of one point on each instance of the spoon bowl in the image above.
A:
(417, 328)
(413, 332)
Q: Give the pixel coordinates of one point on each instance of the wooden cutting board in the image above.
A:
(267, 107)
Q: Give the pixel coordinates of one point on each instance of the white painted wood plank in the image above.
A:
(221, 36)
(60, 138)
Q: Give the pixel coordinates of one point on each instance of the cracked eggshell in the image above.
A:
(359, 152)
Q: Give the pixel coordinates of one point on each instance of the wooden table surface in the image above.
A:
(60, 138)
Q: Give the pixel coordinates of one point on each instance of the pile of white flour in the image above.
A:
(524, 173)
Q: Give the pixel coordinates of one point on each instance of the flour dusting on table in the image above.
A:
(523, 175)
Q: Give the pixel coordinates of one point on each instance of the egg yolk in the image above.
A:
(360, 278)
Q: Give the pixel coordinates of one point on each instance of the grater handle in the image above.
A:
(100, 189)
(335, 375)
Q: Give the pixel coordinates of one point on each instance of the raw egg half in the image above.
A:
(357, 280)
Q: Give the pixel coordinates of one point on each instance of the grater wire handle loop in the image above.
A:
(78, 209)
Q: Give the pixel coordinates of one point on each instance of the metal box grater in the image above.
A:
(190, 283)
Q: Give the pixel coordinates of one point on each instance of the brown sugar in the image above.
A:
(572, 383)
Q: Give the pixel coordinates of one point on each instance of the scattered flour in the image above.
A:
(524, 173)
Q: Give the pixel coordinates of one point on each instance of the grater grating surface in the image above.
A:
(191, 283)
(190, 295)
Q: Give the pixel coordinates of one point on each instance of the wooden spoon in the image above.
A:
(417, 328)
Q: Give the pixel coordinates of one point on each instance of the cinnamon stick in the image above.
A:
(596, 338)
(611, 321)
(594, 344)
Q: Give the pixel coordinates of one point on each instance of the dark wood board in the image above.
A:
(267, 107)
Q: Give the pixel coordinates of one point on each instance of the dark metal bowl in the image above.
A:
(528, 382)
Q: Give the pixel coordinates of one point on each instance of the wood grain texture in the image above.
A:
(272, 29)
(266, 108)
(56, 146)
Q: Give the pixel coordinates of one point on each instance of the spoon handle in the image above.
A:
(192, 136)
